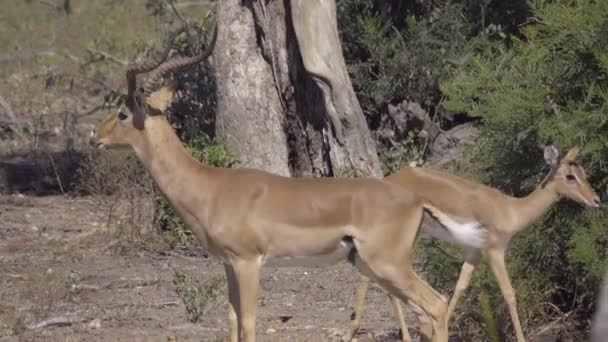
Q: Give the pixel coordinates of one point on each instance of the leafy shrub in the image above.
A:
(194, 295)
(551, 88)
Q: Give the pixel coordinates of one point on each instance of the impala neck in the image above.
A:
(532, 207)
(170, 164)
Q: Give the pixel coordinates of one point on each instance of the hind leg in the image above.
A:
(386, 251)
(401, 281)
(359, 303)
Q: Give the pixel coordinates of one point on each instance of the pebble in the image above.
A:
(94, 324)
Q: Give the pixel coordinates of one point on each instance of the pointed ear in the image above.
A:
(551, 155)
(571, 155)
(162, 98)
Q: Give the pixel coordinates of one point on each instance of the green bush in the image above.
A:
(551, 88)
(196, 296)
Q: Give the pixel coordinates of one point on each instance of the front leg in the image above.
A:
(497, 262)
(246, 272)
(233, 303)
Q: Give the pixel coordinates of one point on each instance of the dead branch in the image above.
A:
(187, 4)
(176, 12)
(56, 174)
(90, 111)
(94, 80)
(106, 56)
(12, 57)
(12, 122)
(56, 321)
(50, 4)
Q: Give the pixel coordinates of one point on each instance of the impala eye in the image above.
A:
(122, 116)
(570, 177)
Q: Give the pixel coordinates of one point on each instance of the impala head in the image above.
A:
(568, 178)
(127, 125)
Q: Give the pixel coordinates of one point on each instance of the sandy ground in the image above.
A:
(58, 261)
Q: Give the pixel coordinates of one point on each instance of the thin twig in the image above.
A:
(106, 56)
(190, 4)
(94, 80)
(50, 4)
(176, 12)
(90, 111)
(6, 110)
(552, 324)
(7, 57)
(56, 173)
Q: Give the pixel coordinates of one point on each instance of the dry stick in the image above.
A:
(60, 320)
(48, 3)
(176, 12)
(13, 122)
(56, 173)
(189, 4)
(94, 80)
(107, 56)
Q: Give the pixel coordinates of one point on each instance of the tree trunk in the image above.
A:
(249, 115)
(285, 100)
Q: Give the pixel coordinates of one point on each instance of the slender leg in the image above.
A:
(405, 335)
(247, 276)
(471, 261)
(497, 262)
(407, 284)
(233, 303)
(355, 322)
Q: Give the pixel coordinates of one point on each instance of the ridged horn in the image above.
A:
(176, 63)
(133, 69)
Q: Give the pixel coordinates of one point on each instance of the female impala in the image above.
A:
(483, 219)
(247, 217)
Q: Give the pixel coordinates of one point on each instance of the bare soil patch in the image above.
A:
(58, 265)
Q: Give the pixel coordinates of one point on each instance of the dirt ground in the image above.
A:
(58, 261)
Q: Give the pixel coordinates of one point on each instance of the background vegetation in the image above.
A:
(533, 74)
(530, 73)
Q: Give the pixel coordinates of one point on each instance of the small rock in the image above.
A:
(270, 331)
(94, 324)
(35, 229)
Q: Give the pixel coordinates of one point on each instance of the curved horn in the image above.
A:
(133, 69)
(177, 63)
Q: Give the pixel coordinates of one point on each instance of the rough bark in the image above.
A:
(250, 116)
(351, 144)
(306, 97)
